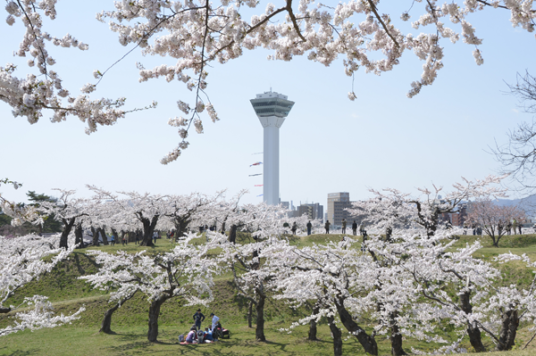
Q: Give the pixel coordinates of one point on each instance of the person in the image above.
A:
(208, 334)
(112, 240)
(198, 319)
(309, 228)
(344, 226)
(354, 228)
(294, 228)
(155, 236)
(191, 337)
(215, 320)
(326, 226)
(124, 240)
(137, 240)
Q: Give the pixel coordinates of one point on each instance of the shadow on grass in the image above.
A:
(23, 353)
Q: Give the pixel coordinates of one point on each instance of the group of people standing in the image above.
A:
(196, 333)
(343, 223)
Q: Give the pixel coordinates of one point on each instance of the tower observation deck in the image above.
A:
(271, 108)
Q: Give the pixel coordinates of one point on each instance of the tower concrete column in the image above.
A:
(271, 109)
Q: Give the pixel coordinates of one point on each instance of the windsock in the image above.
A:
(255, 164)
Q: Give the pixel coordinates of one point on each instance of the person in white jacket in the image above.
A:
(215, 320)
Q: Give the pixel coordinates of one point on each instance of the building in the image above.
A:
(313, 211)
(271, 108)
(337, 205)
(459, 217)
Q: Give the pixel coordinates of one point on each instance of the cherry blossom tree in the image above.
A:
(197, 33)
(19, 213)
(22, 261)
(184, 209)
(135, 210)
(67, 209)
(493, 218)
(185, 272)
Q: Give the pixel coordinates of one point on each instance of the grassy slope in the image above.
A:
(82, 338)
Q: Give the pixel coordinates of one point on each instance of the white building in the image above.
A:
(271, 108)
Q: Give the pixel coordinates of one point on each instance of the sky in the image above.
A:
(327, 144)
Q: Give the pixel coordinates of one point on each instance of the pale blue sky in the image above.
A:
(328, 143)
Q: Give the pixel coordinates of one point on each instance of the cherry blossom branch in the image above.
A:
(378, 17)
(293, 18)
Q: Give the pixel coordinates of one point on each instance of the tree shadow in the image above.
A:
(24, 353)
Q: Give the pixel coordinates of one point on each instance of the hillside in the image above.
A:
(130, 321)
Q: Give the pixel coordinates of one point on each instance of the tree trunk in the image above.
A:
(507, 335)
(180, 228)
(67, 226)
(114, 232)
(232, 233)
(337, 336)
(312, 325)
(4, 310)
(154, 313)
(148, 229)
(250, 313)
(79, 234)
(107, 321)
(259, 331)
(367, 341)
(101, 231)
(395, 337)
(95, 236)
(472, 330)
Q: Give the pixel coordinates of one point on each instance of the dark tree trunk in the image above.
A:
(107, 321)
(250, 313)
(154, 313)
(259, 331)
(67, 226)
(367, 341)
(148, 229)
(507, 335)
(181, 227)
(395, 337)
(232, 233)
(312, 325)
(95, 236)
(79, 236)
(337, 336)
(472, 330)
(101, 231)
(114, 232)
(388, 234)
(4, 310)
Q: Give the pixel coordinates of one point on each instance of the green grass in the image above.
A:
(130, 322)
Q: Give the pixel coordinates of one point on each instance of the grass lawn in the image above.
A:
(129, 323)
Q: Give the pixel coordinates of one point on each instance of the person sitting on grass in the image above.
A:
(208, 335)
(191, 337)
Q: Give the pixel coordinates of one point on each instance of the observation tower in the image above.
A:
(271, 108)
